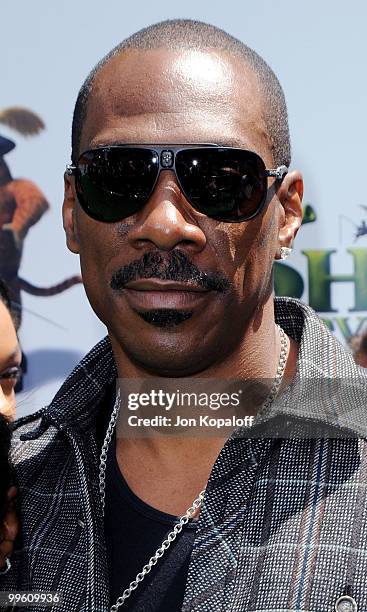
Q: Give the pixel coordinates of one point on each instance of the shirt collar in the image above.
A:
(328, 395)
(328, 391)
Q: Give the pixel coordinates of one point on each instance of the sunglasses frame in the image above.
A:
(167, 161)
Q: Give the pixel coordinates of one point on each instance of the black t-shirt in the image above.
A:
(133, 531)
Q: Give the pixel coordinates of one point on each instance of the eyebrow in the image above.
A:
(237, 144)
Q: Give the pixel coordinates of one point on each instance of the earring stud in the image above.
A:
(285, 252)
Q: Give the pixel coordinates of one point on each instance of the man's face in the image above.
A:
(168, 97)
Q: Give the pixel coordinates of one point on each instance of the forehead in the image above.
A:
(175, 96)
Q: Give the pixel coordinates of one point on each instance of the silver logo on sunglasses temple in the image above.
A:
(278, 173)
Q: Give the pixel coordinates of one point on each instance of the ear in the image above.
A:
(290, 195)
(68, 215)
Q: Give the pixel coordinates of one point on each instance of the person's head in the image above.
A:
(185, 83)
(10, 354)
(358, 345)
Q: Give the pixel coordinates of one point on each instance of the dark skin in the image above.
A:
(183, 97)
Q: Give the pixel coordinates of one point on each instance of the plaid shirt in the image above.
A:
(283, 525)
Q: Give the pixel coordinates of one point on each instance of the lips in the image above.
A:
(147, 284)
(146, 294)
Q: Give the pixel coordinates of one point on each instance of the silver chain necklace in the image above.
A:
(184, 519)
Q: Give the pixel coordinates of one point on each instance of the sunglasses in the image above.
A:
(223, 183)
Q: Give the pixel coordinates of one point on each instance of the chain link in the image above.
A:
(105, 446)
(280, 369)
(184, 519)
(160, 551)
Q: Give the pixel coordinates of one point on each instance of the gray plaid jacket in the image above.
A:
(283, 525)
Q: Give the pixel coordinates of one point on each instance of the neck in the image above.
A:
(185, 463)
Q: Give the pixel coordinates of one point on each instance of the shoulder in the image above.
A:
(31, 435)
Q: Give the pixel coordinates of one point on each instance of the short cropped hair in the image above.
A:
(189, 34)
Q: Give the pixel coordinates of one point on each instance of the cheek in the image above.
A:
(248, 248)
(7, 403)
(91, 265)
(95, 245)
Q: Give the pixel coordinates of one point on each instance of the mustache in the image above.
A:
(175, 266)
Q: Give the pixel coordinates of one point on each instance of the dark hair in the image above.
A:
(190, 34)
(4, 294)
(6, 300)
(14, 312)
(5, 468)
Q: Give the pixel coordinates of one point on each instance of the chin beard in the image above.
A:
(165, 317)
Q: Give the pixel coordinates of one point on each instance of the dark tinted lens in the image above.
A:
(113, 183)
(229, 185)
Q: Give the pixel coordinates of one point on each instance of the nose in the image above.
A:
(166, 221)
